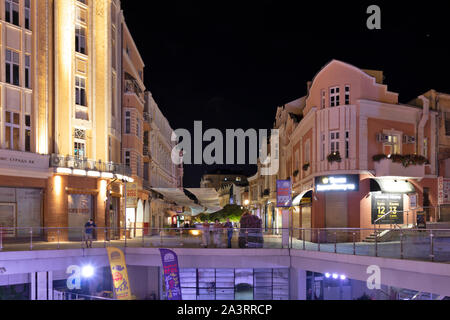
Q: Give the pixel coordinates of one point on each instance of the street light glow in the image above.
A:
(87, 271)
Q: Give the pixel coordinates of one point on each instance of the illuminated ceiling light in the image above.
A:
(94, 174)
(87, 271)
(343, 277)
(79, 172)
(335, 276)
(327, 275)
(64, 170)
(107, 175)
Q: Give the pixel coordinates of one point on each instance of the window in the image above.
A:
(80, 39)
(308, 151)
(347, 95)
(12, 131)
(12, 11)
(138, 166)
(28, 133)
(128, 122)
(447, 123)
(79, 143)
(392, 145)
(334, 142)
(27, 71)
(347, 144)
(81, 15)
(138, 128)
(127, 158)
(27, 14)
(83, 1)
(425, 147)
(12, 67)
(335, 97)
(322, 150)
(323, 103)
(80, 91)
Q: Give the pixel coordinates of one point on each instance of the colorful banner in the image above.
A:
(284, 194)
(119, 273)
(171, 274)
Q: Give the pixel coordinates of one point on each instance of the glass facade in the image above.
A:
(234, 284)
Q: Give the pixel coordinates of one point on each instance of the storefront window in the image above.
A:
(80, 211)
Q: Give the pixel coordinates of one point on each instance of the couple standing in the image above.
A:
(217, 231)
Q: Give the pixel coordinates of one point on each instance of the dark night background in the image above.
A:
(231, 63)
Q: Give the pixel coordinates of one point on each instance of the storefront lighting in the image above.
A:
(343, 277)
(57, 184)
(94, 174)
(63, 170)
(335, 276)
(78, 172)
(107, 175)
(327, 275)
(195, 233)
(396, 186)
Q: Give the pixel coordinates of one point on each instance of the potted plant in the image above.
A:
(379, 157)
(250, 235)
(334, 157)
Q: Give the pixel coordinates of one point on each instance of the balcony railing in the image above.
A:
(388, 168)
(132, 87)
(147, 117)
(70, 162)
(408, 244)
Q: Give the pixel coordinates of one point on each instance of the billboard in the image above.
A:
(171, 274)
(383, 203)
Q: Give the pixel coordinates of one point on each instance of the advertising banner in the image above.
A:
(119, 274)
(443, 191)
(384, 203)
(284, 194)
(171, 274)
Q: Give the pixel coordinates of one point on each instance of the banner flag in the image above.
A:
(119, 274)
(171, 274)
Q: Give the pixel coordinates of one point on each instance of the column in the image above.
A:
(297, 284)
(42, 285)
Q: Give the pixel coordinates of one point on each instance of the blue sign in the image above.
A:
(284, 193)
(171, 274)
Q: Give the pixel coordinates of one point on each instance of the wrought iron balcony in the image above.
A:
(78, 163)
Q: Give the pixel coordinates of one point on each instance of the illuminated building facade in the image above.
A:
(60, 116)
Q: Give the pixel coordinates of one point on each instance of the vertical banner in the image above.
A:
(119, 273)
(171, 274)
(284, 194)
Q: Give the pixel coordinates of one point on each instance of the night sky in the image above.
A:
(231, 63)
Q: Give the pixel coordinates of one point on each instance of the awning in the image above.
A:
(298, 199)
(391, 186)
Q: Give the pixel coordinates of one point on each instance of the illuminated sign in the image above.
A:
(284, 194)
(337, 183)
(388, 206)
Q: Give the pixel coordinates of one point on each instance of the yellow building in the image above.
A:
(61, 116)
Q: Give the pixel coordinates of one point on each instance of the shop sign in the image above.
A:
(443, 191)
(284, 194)
(337, 183)
(23, 160)
(132, 195)
(384, 203)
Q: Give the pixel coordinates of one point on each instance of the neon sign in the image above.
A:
(337, 183)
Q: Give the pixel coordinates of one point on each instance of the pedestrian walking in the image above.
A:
(89, 232)
(205, 233)
(229, 226)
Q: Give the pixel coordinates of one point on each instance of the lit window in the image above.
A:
(12, 67)
(80, 39)
(12, 130)
(335, 97)
(12, 11)
(334, 141)
(80, 91)
(79, 143)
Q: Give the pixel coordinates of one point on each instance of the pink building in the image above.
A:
(356, 156)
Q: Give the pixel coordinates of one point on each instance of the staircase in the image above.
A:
(379, 236)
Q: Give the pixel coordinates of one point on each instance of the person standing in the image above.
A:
(89, 232)
(205, 234)
(229, 226)
(217, 231)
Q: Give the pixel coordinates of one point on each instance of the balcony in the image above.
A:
(388, 168)
(147, 116)
(70, 163)
(131, 87)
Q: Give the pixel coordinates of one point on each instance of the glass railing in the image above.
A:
(412, 244)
